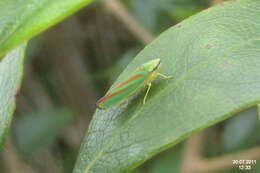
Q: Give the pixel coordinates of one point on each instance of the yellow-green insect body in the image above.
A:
(142, 76)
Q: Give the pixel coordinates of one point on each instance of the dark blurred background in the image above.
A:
(72, 64)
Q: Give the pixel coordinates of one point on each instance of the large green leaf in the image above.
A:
(215, 59)
(11, 68)
(20, 20)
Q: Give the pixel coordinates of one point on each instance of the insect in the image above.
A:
(141, 77)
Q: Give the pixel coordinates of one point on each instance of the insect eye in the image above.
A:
(156, 67)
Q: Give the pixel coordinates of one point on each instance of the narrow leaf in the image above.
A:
(21, 20)
(215, 59)
(11, 68)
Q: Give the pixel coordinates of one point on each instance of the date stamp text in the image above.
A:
(244, 164)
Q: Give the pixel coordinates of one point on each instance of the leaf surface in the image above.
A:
(11, 69)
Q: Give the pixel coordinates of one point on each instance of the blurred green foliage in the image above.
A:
(106, 48)
(157, 15)
(37, 130)
(241, 131)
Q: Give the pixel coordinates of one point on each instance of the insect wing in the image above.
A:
(123, 90)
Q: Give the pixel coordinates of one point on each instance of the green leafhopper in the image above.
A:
(141, 77)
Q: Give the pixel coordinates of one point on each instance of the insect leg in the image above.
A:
(149, 86)
(164, 76)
